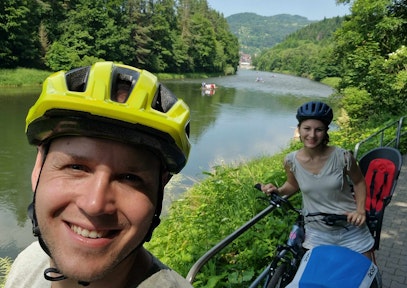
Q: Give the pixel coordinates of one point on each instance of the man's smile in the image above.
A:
(94, 234)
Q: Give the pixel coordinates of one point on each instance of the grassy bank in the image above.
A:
(22, 77)
(214, 208)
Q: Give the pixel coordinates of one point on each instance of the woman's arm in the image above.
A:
(289, 187)
(357, 217)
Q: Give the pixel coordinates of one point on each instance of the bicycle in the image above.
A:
(287, 259)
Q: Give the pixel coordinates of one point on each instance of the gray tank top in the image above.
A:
(329, 191)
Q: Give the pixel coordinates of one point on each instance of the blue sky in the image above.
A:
(312, 9)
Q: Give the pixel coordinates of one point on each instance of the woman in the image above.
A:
(322, 173)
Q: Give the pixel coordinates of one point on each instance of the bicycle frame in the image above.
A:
(285, 263)
(229, 239)
(288, 256)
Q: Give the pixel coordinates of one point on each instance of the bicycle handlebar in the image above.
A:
(328, 218)
(276, 200)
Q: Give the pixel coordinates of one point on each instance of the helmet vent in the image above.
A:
(76, 79)
(123, 82)
(164, 99)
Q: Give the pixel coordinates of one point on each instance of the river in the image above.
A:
(243, 119)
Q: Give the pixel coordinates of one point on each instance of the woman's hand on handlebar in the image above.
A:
(269, 188)
(356, 218)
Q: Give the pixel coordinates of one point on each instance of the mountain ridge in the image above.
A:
(256, 32)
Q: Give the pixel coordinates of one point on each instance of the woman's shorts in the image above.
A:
(356, 238)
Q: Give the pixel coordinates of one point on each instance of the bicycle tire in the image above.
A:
(377, 281)
(276, 280)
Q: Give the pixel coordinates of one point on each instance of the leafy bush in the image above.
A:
(357, 102)
(5, 265)
(212, 210)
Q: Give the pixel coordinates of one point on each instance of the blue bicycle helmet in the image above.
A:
(315, 110)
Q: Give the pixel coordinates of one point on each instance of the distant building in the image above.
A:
(245, 61)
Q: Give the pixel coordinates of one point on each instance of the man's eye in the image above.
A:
(130, 177)
(77, 167)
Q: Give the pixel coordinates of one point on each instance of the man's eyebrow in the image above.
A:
(76, 156)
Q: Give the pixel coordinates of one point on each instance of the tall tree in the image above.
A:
(89, 34)
(370, 48)
(19, 22)
(203, 48)
(164, 27)
(227, 44)
(158, 35)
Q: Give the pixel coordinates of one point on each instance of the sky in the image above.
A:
(311, 9)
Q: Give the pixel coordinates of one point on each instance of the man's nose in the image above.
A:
(97, 197)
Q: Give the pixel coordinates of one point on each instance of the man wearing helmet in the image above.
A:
(109, 138)
(321, 172)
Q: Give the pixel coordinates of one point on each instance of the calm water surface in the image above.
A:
(243, 119)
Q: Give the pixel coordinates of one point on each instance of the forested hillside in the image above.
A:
(366, 50)
(256, 32)
(306, 52)
(158, 35)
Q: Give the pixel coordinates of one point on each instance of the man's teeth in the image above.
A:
(86, 233)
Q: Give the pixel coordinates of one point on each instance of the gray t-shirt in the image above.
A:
(328, 191)
(27, 271)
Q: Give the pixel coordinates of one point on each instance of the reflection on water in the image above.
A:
(16, 160)
(242, 119)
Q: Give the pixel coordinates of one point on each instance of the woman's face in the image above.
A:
(312, 133)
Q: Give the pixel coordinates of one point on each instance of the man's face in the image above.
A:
(95, 202)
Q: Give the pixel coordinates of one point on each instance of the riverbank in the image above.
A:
(27, 77)
(22, 77)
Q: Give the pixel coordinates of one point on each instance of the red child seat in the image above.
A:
(381, 168)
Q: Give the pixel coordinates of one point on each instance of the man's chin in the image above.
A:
(85, 272)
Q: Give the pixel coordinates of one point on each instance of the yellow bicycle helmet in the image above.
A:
(112, 101)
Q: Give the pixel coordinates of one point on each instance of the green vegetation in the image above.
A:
(22, 77)
(213, 209)
(370, 48)
(256, 33)
(175, 36)
(306, 52)
(5, 265)
(366, 50)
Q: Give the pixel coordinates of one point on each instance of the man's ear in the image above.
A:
(35, 174)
